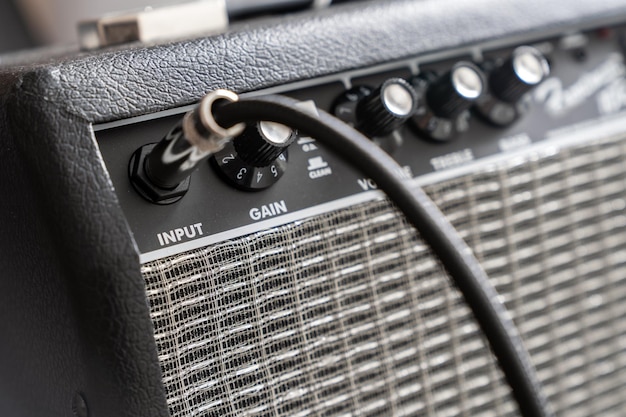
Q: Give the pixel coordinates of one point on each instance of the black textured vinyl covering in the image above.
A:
(73, 310)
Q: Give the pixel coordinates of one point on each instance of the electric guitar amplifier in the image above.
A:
(293, 286)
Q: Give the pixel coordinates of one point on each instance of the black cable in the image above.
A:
(434, 228)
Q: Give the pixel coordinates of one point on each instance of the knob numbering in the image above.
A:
(257, 158)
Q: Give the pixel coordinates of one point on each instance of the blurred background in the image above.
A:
(30, 23)
(13, 32)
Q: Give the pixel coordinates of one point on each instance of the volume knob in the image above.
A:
(261, 143)
(386, 108)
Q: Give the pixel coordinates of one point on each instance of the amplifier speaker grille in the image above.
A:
(550, 230)
(348, 313)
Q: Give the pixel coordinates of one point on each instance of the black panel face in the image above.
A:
(586, 83)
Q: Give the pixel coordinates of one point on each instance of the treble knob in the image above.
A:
(257, 158)
(386, 108)
(455, 92)
(445, 111)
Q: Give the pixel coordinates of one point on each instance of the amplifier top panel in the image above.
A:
(533, 93)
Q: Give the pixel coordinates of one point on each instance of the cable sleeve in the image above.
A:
(454, 254)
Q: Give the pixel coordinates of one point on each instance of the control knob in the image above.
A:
(509, 82)
(257, 158)
(444, 112)
(386, 108)
(379, 112)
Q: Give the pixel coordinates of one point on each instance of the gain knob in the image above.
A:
(509, 82)
(261, 143)
(257, 158)
(445, 111)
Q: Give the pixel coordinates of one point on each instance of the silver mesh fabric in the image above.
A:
(348, 313)
(550, 230)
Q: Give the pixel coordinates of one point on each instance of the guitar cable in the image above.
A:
(222, 114)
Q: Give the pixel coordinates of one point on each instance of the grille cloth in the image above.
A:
(347, 313)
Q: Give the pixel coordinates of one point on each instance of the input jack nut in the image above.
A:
(145, 187)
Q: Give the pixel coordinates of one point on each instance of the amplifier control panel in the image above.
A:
(437, 116)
